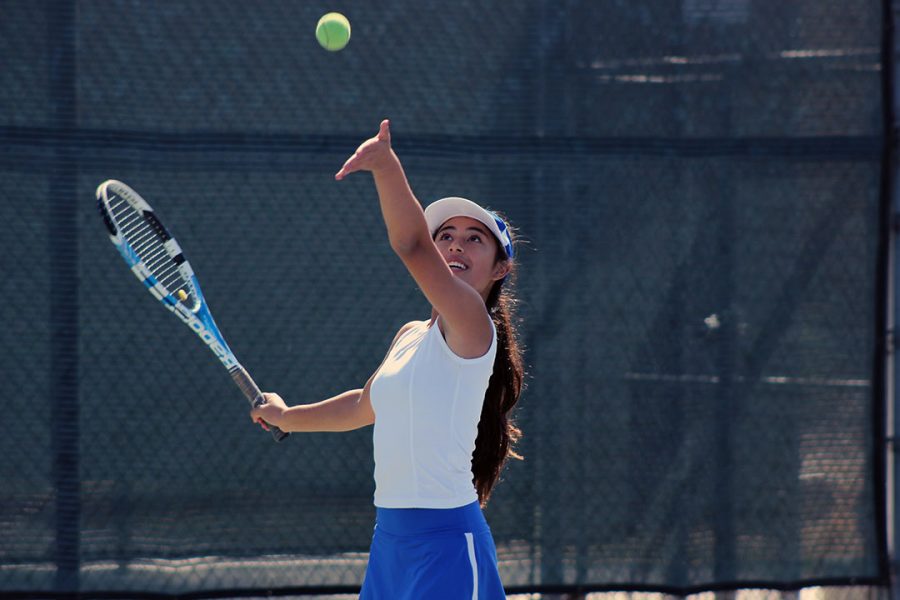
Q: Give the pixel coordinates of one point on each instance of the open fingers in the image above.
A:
(368, 152)
(358, 161)
(349, 167)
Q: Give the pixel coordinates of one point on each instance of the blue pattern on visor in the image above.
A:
(504, 233)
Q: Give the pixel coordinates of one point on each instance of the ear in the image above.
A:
(501, 270)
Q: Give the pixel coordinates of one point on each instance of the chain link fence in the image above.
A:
(697, 188)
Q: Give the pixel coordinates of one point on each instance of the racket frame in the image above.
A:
(196, 316)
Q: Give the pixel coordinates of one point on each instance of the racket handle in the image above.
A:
(243, 380)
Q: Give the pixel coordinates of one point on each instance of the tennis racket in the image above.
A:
(157, 261)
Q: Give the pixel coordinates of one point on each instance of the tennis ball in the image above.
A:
(333, 31)
(182, 295)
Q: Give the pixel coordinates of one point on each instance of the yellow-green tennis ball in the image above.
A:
(182, 295)
(333, 31)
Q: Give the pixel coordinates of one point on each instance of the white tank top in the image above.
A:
(427, 403)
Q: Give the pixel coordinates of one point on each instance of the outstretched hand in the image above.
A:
(371, 154)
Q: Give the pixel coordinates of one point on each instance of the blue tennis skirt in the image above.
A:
(432, 554)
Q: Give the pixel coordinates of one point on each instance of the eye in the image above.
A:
(475, 237)
(444, 236)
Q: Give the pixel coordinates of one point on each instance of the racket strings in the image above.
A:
(127, 225)
(129, 221)
(146, 244)
(152, 255)
(172, 279)
(126, 217)
(146, 237)
(163, 268)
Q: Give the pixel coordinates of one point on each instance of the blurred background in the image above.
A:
(701, 189)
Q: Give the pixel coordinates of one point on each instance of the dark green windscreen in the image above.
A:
(696, 188)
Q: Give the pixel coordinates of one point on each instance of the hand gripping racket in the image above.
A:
(157, 261)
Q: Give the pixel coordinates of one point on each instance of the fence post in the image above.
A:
(891, 8)
(62, 239)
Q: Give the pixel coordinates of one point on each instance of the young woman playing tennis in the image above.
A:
(440, 400)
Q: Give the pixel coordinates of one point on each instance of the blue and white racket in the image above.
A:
(157, 261)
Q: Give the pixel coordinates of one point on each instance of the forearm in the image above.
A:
(403, 215)
(343, 412)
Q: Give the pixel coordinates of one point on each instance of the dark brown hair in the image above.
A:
(497, 431)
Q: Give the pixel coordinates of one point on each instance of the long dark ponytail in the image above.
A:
(497, 431)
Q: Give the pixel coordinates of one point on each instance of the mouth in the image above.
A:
(457, 266)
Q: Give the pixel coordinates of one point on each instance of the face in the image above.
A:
(470, 249)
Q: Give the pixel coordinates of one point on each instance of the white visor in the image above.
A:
(440, 211)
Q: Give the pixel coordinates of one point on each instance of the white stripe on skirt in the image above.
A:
(470, 542)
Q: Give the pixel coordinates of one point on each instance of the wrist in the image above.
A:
(289, 417)
(388, 164)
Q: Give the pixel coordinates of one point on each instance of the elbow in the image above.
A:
(405, 246)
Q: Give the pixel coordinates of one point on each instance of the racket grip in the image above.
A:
(243, 380)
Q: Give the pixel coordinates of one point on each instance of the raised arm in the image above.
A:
(461, 306)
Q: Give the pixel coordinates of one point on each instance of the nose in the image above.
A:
(455, 246)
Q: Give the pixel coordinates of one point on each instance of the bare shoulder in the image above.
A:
(404, 329)
(398, 335)
(409, 326)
